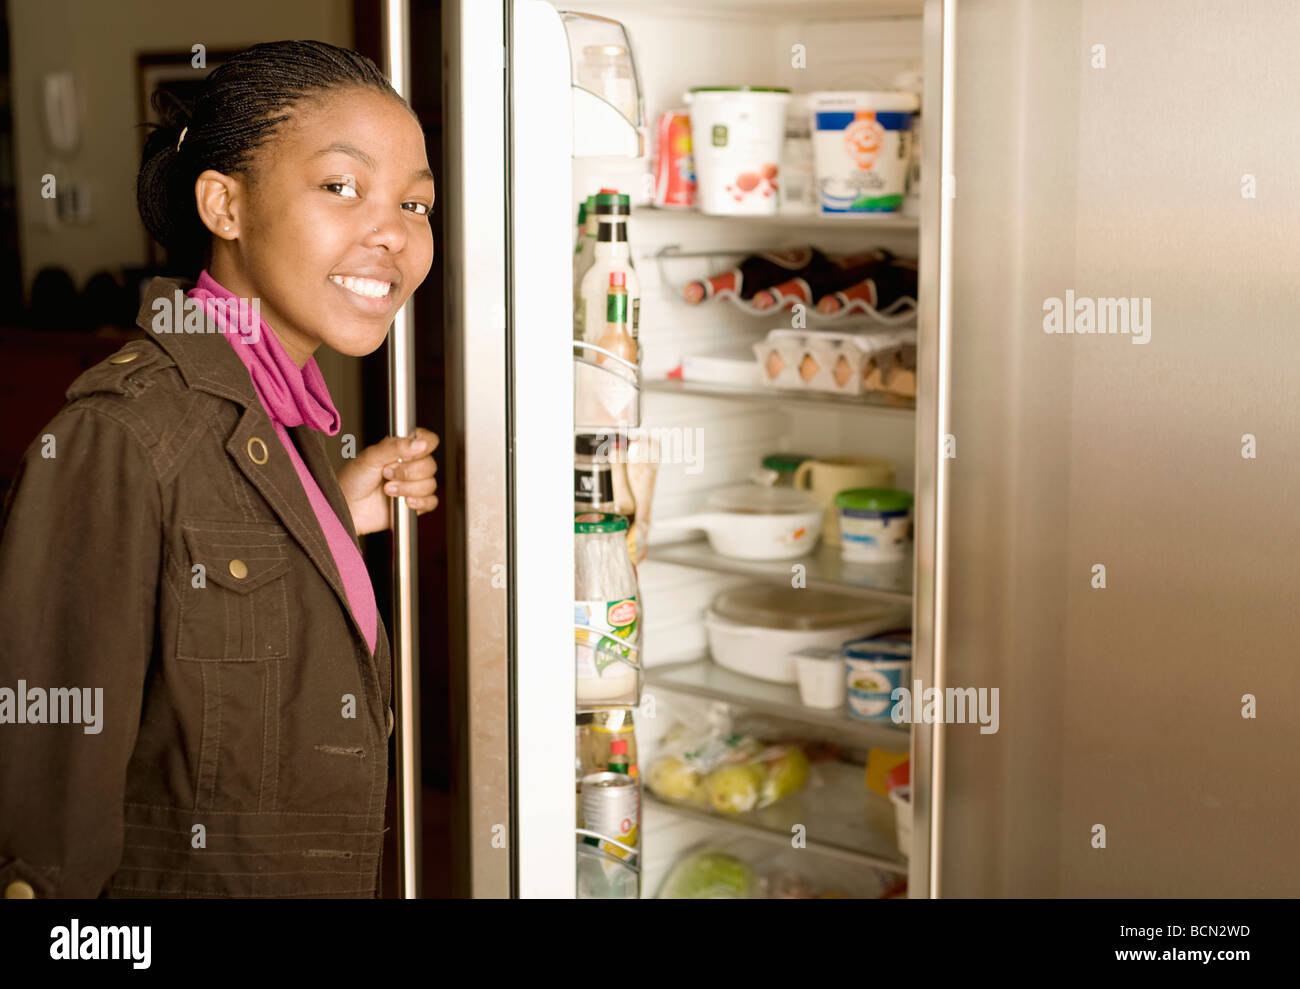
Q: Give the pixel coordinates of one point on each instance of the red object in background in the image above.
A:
(39, 366)
(900, 775)
(674, 164)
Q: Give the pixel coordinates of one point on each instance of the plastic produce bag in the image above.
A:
(724, 770)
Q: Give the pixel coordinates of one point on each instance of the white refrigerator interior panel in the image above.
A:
(541, 269)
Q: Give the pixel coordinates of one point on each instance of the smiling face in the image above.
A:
(330, 229)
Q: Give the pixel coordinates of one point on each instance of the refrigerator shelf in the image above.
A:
(874, 402)
(842, 818)
(824, 569)
(705, 678)
(866, 221)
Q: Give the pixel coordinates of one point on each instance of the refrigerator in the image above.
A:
(1100, 521)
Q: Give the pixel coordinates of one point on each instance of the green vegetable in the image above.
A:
(708, 874)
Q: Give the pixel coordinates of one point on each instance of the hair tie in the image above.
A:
(182, 137)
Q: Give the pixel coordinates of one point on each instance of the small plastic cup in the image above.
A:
(821, 677)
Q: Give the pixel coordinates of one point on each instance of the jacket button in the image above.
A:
(19, 890)
(257, 451)
(390, 722)
(238, 569)
(126, 358)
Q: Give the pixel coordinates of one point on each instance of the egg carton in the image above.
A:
(839, 363)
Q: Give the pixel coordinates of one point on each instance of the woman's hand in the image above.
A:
(394, 467)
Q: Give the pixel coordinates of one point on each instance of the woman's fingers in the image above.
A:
(415, 470)
(411, 489)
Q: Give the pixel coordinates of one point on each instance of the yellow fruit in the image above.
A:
(672, 779)
(735, 789)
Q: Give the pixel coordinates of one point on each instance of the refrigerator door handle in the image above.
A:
(405, 576)
(934, 322)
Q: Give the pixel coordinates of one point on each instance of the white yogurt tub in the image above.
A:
(875, 524)
(862, 149)
(874, 668)
(736, 137)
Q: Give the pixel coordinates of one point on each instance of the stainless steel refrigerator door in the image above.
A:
(1120, 558)
(510, 437)
(477, 444)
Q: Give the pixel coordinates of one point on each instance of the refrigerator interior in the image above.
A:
(845, 46)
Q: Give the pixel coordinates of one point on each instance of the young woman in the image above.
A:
(194, 679)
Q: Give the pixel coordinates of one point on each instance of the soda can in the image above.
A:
(674, 163)
(610, 805)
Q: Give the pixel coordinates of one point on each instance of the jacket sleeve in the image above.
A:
(80, 552)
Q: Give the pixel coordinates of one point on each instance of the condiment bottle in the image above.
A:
(618, 756)
(611, 254)
(593, 482)
(614, 395)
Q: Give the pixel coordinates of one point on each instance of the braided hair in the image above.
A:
(241, 105)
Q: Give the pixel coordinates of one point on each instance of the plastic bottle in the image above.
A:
(586, 250)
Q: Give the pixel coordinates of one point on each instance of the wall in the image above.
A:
(98, 42)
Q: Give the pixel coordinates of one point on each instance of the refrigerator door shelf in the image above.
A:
(600, 131)
(603, 396)
(633, 854)
(608, 110)
(590, 639)
(602, 875)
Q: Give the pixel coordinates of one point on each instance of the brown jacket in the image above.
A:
(229, 760)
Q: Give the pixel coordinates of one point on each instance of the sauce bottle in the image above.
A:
(610, 254)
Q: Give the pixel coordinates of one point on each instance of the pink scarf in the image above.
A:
(293, 396)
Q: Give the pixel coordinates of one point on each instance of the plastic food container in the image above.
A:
(736, 137)
(875, 524)
(757, 629)
(874, 667)
(826, 360)
(821, 677)
(755, 522)
(862, 149)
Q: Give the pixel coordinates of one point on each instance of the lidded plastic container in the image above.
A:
(807, 610)
(757, 499)
(875, 524)
(737, 133)
(758, 629)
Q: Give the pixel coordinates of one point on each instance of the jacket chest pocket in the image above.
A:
(236, 608)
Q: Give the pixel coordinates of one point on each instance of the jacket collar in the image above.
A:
(210, 364)
(212, 369)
